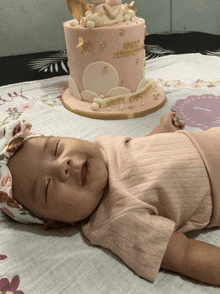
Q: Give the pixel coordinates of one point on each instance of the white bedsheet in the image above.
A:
(63, 261)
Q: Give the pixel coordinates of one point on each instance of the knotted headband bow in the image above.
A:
(12, 137)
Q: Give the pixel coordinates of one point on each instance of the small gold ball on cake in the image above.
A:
(95, 106)
(73, 23)
(88, 13)
(90, 24)
(89, 17)
(98, 101)
(127, 17)
(100, 14)
(131, 13)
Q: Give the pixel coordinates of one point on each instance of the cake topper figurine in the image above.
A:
(101, 12)
(78, 8)
(107, 7)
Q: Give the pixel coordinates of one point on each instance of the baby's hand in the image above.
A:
(171, 122)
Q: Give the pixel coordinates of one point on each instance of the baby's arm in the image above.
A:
(192, 258)
(169, 123)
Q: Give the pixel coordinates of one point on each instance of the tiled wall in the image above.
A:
(29, 26)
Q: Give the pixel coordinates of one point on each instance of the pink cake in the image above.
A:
(106, 56)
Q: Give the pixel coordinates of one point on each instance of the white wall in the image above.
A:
(30, 26)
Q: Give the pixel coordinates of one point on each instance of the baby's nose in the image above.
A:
(68, 168)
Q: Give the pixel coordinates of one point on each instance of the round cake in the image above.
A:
(106, 58)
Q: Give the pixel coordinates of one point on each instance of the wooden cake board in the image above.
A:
(151, 102)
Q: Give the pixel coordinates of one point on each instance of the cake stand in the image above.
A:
(151, 102)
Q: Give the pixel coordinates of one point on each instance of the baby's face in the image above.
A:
(58, 178)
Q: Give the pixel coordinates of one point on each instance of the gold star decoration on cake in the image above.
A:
(83, 46)
(104, 44)
(131, 6)
(122, 32)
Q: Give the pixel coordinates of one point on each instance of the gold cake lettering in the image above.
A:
(122, 53)
(131, 44)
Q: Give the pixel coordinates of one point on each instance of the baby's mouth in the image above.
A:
(84, 173)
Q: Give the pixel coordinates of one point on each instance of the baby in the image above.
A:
(134, 196)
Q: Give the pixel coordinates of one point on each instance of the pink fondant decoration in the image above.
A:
(199, 111)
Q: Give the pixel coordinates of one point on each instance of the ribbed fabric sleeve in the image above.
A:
(157, 184)
(208, 145)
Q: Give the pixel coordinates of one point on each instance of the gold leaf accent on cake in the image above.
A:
(83, 46)
(100, 14)
(106, 67)
(145, 63)
(137, 61)
(122, 82)
(146, 33)
(103, 44)
(131, 6)
(122, 32)
(78, 8)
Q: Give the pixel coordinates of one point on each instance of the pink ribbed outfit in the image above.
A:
(157, 185)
